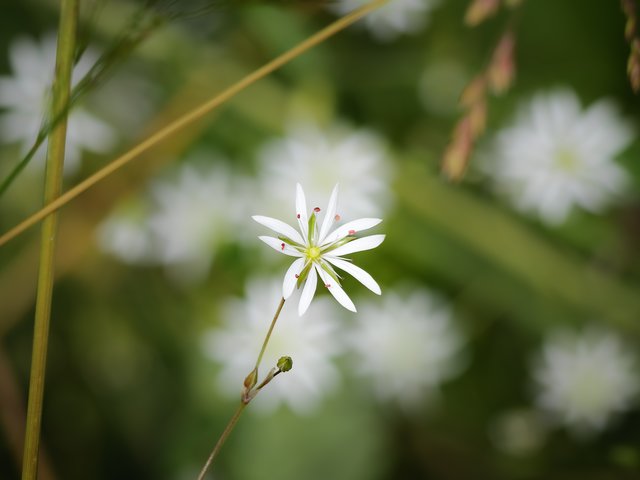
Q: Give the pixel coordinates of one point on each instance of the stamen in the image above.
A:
(317, 209)
(337, 218)
(352, 232)
(282, 246)
(297, 276)
(328, 285)
(298, 216)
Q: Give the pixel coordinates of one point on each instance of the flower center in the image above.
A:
(566, 160)
(313, 253)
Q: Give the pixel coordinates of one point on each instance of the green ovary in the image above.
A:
(313, 253)
(566, 160)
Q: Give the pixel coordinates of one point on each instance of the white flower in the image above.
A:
(407, 345)
(311, 341)
(394, 18)
(25, 97)
(192, 214)
(557, 156)
(319, 250)
(183, 220)
(125, 235)
(319, 159)
(585, 379)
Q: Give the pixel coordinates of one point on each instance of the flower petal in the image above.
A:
(336, 290)
(301, 210)
(307, 292)
(280, 246)
(280, 227)
(357, 245)
(329, 215)
(291, 277)
(354, 226)
(356, 272)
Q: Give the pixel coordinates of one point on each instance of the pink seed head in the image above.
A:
(352, 232)
(337, 218)
(317, 209)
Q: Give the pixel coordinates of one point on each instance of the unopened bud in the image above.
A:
(502, 68)
(285, 364)
(478, 118)
(251, 380)
(456, 156)
(479, 10)
(633, 66)
(474, 92)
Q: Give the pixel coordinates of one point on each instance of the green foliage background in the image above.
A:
(128, 394)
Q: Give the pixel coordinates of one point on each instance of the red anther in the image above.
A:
(297, 276)
(337, 218)
(352, 232)
(328, 285)
(298, 216)
(317, 209)
(282, 246)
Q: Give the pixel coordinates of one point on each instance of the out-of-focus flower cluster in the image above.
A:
(563, 158)
(404, 346)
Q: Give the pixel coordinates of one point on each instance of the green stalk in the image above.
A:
(249, 383)
(52, 189)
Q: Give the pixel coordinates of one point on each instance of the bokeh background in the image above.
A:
(505, 342)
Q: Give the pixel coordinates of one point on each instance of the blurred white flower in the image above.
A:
(311, 341)
(407, 345)
(125, 235)
(185, 218)
(25, 95)
(319, 159)
(393, 19)
(320, 249)
(558, 155)
(585, 379)
(193, 213)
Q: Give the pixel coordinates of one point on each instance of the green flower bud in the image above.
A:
(285, 364)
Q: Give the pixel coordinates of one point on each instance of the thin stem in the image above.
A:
(246, 395)
(268, 336)
(222, 439)
(52, 189)
(192, 116)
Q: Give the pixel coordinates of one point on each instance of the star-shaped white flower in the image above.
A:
(558, 156)
(318, 251)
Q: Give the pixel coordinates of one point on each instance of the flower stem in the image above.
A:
(268, 336)
(247, 395)
(222, 439)
(191, 116)
(52, 188)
